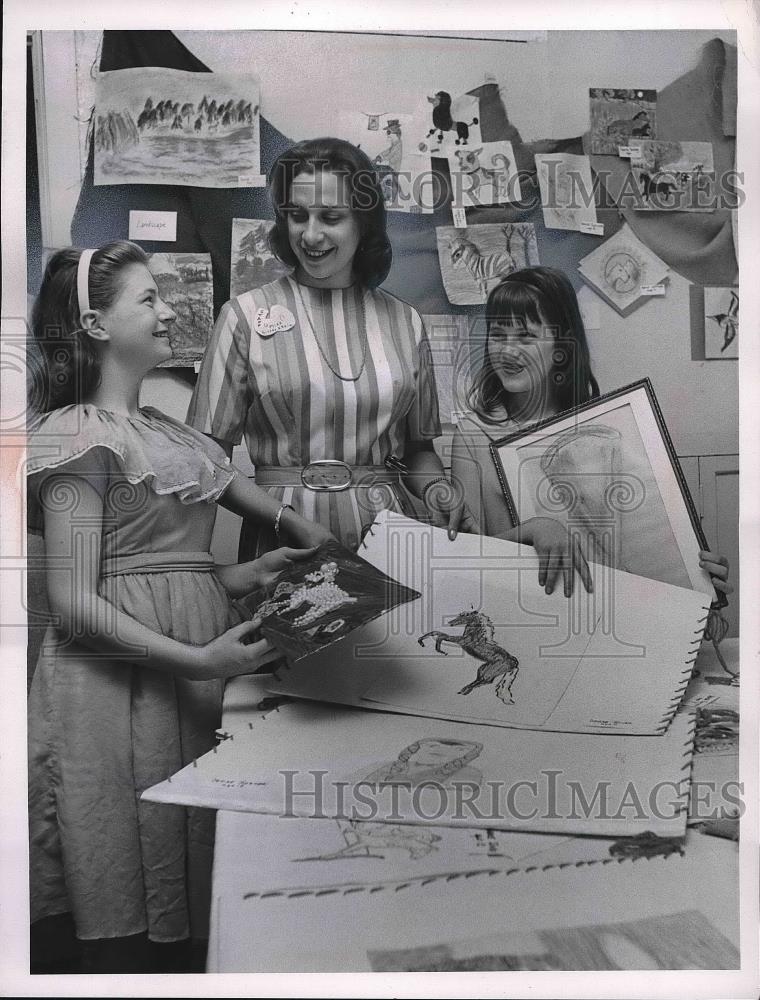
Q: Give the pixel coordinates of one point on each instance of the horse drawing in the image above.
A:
(477, 640)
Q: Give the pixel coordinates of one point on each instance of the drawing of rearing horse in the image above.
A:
(477, 640)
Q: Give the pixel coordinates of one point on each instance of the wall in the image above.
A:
(544, 79)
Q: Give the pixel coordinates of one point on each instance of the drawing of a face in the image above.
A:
(521, 353)
(323, 230)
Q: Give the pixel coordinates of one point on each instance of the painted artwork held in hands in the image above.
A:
(185, 282)
(166, 126)
(321, 599)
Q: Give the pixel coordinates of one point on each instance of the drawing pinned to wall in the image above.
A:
(674, 176)
(444, 123)
(404, 170)
(252, 263)
(484, 175)
(475, 259)
(566, 190)
(622, 270)
(166, 126)
(621, 117)
(185, 282)
(721, 323)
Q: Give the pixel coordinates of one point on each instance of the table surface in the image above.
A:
(462, 920)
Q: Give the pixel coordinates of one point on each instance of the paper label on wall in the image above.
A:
(629, 151)
(148, 225)
(459, 217)
(592, 228)
(652, 290)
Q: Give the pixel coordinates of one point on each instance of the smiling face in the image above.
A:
(521, 353)
(323, 230)
(137, 323)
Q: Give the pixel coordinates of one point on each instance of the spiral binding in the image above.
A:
(685, 678)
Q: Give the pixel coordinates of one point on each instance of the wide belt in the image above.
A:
(158, 562)
(325, 475)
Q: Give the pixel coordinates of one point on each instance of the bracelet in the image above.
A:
(432, 482)
(278, 518)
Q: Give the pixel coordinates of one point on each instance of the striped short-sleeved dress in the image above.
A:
(282, 392)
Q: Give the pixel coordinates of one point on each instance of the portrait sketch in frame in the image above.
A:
(608, 470)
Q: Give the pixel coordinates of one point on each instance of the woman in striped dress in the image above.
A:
(327, 376)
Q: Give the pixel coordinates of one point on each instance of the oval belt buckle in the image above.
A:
(327, 474)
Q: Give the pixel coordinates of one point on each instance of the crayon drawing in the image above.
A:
(621, 117)
(721, 323)
(252, 263)
(484, 175)
(185, 282)
(166, 126)
(475, 259)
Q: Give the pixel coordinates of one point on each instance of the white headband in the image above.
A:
(83, 280)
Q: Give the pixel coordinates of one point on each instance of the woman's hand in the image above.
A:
(232, 653)
(559, 552)
(446, 507)
(717, 567)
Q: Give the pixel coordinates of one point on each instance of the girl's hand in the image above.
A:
(559, 551)
(230, 654)
(269, 566)
(305, 534)
(717, 567)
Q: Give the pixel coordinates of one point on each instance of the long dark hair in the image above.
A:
(372, 261)
(541, 295)
(68, 357)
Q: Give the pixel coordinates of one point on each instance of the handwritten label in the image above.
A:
(630, 152)
(652, 289)
(252, 180)
(459, 216)
(592, 228)
(196, 366)
(153, 226)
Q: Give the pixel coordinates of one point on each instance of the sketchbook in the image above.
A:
(323, 761)
(486, 644)
(666, 913)
(305, 857)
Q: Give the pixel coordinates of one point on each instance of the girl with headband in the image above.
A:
(129, 682)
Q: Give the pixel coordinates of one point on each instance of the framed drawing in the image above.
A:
(609, 471)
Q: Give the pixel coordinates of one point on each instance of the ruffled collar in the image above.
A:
(150, 445)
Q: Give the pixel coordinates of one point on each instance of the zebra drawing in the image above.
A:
(484, 268)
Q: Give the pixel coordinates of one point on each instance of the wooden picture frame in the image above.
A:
(608, 469)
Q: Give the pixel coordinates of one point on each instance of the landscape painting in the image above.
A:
(186, 284)
(252, 263)
(166, 126)
(621, 117)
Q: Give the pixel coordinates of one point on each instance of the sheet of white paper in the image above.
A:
(306, 855)
(486, 644)
(674, 913)
(316, 761)
(566, 190)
